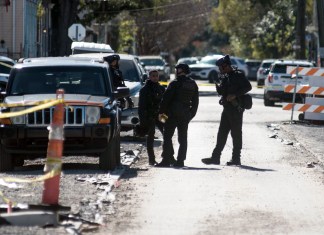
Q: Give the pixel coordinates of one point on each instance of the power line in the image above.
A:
(147, 8)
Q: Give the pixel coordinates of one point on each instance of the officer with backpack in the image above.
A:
(178, 106)
(232, 89)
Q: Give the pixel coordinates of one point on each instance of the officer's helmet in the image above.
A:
(185, 68)
(224, 60)
(111, 58)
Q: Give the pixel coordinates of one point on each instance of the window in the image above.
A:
(46, 80)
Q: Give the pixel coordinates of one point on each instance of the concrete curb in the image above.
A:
(30, 218)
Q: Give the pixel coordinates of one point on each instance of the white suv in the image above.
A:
(206, 68)
(277, 78)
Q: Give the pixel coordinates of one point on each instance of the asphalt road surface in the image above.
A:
(278, 189)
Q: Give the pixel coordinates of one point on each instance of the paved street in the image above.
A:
(273, 192)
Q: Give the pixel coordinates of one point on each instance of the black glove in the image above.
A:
(130, 102)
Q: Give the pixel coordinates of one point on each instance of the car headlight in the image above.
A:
(92, 115)
(17, 119)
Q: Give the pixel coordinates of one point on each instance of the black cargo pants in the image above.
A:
(150, 138)
(169, 128)
(231, 121)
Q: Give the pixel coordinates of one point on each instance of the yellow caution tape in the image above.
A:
(25, 103)
(31, 110)
(47, 176)
(5, 199)
(7, 65)
(200, 84)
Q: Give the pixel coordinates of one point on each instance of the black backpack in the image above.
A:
(246, 101)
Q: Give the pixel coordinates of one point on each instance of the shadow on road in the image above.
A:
(196, 168)
(251, 168)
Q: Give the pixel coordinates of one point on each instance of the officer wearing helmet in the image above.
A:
(178, 106)
(232, 87)
(118, 81)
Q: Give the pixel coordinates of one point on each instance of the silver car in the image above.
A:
(152, 62)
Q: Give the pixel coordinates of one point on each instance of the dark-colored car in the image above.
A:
(253, 66)
(92, 119)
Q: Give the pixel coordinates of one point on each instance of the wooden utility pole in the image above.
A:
(300, 42)
(320, 20)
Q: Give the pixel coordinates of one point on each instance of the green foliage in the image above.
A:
(127, 32)
(275, 33)
(258, 28)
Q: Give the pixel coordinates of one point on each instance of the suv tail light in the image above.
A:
(270, 78)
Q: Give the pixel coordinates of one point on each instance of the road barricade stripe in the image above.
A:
(304, 107)
(307, 71)
(305, 90)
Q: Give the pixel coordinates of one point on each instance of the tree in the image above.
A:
(64, 14)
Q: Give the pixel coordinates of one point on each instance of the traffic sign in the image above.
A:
(77, 32)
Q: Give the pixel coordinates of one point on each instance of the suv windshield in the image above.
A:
(46, 80)
(282, 68)
(129, 70)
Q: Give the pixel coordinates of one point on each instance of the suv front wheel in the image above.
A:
(110, 158)
(267, 102)
(6, 161)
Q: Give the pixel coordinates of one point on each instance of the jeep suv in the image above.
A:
(92, 115)
(277, 79)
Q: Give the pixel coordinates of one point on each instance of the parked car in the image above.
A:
(278, 78)
(134, 76)
(261, 75)
(253, 66)
(92, 114)
(240, 64)
(151, 62)
(188, 60)
(6, 64)
(206, 68)
(3, 81)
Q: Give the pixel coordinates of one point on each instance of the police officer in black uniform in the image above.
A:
(148, 107)
(179, 103)
(118, 81)
(232, 87)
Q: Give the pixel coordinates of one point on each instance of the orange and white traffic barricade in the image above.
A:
(314, 91)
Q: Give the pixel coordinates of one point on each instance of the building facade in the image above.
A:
(24, 28)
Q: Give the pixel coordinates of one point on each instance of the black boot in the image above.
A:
(211, 160)
(152, 161)
(163, 163)
(234, 162)
(178, 164)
